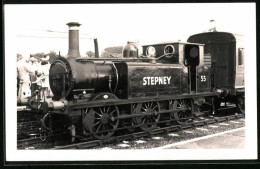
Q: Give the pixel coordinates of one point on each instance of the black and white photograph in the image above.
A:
(130, 82)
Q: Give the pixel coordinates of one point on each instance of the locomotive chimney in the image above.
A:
(96, 48)
(73, 40)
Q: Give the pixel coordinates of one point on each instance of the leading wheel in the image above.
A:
(150, 121)
(183, 116)
(98, 121)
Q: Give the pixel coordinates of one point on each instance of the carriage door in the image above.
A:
(191, 60)
(240, 68)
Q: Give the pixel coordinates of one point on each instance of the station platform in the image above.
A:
(232, 139)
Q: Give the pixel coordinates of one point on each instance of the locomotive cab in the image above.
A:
(189, 56)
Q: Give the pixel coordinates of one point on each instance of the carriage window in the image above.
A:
(240, 56)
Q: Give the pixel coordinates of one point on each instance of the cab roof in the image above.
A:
(172, 42)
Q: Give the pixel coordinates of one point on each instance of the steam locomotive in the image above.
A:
(169, 83)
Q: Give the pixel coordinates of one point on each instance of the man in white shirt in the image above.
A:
(23, 70)
(34, 66)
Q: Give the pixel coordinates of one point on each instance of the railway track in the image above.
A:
(28, 123)
(32, 134)
(162, 130)
(41, 139)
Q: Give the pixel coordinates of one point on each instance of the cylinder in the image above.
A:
(57, 105)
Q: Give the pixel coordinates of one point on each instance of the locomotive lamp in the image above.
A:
(169, 50)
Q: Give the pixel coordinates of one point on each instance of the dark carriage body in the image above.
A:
(227, 59)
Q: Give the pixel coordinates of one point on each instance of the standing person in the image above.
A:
(43, 79)
(33, 62)
(47, 69)
(24, 69)
(18, 57)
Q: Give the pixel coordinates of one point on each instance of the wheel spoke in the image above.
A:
(97, 113)
(107, 111)
(149, 104)
(178, 106)
(154, 107)
(181, 102)
(97, 123)
(98, 128)
(112, 112)
(86, 111)
(143, 121)
(100, 110)
(145, 105)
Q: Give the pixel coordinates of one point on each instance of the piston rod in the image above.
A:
(148, 113)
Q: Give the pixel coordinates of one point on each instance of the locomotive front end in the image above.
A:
(77, 78)
(66, 77)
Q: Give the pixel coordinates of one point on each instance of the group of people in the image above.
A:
(32, 75)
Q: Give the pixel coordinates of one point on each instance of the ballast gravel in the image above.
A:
(180, 136)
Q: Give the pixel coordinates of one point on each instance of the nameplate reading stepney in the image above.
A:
(163, 80)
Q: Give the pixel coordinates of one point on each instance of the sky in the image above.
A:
(42, 28)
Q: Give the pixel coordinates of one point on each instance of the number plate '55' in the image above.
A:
(203, 78)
